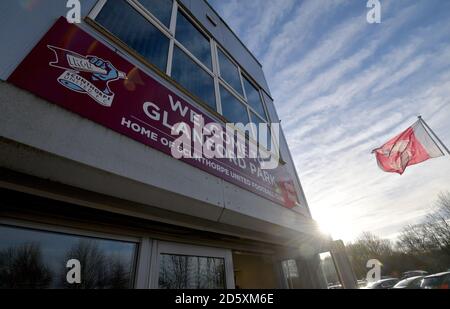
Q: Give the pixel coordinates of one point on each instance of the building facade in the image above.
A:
(85, 167)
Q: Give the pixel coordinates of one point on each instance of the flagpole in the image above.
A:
(434, 134)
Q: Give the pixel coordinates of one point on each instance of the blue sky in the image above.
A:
(343, 87)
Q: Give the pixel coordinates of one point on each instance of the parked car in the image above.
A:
(413, 273)
(436, 281)
(361, 284)
(409, 283)
(383, 284)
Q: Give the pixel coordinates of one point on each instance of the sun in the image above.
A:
(337, 224)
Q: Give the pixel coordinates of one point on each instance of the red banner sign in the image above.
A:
(70, 68)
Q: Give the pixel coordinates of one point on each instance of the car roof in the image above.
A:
(408, 280)
(381, 281)
(387, 279)
(412, 278)
(415, 271)
(438, 275)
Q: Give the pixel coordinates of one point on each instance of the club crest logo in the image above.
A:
(86, 74)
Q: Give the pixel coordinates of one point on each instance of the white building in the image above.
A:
(84, 174)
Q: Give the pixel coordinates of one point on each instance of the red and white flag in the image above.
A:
(413, 146)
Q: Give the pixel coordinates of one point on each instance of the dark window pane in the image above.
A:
(191, 38)
(37, 260)
(133, 29)
(229, 72)
(233, 110)
(191, 76)
(191, 272)
(253, 98)
(272, 115)
(161, 9)
(265, 140)
(256, 119)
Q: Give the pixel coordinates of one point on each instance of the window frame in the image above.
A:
(261, 98)
(164, 247)
(74, 231)
(199, 28)
(147, 253)
(78, 232)
(196, 62)
(230, 90)
(170, 33)
(144, 10)
(214, 72)
(219, 72)
(91, 20)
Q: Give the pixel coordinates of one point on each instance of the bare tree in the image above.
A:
(429, 241)
(98, 270)
(23, 267)
(432, 234)
(367, 247)
(437, 223)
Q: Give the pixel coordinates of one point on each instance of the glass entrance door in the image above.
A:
(179, 266)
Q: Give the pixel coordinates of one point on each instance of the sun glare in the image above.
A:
(338, 225)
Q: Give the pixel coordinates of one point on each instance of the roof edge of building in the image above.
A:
(233, 32)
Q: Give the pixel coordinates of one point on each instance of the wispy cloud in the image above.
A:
(343, 87)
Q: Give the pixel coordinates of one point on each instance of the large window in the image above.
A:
(172, 41)
(232, 109)
(265, 136)
(34, 259)
(182, 266)
(254, 98)
(190, 75)
(194, 41)
(161, 9)
(127, 24)
(229, 72)
(191, 272)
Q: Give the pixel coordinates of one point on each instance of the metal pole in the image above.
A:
(434, 134)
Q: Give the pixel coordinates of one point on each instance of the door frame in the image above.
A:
(161, 247)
